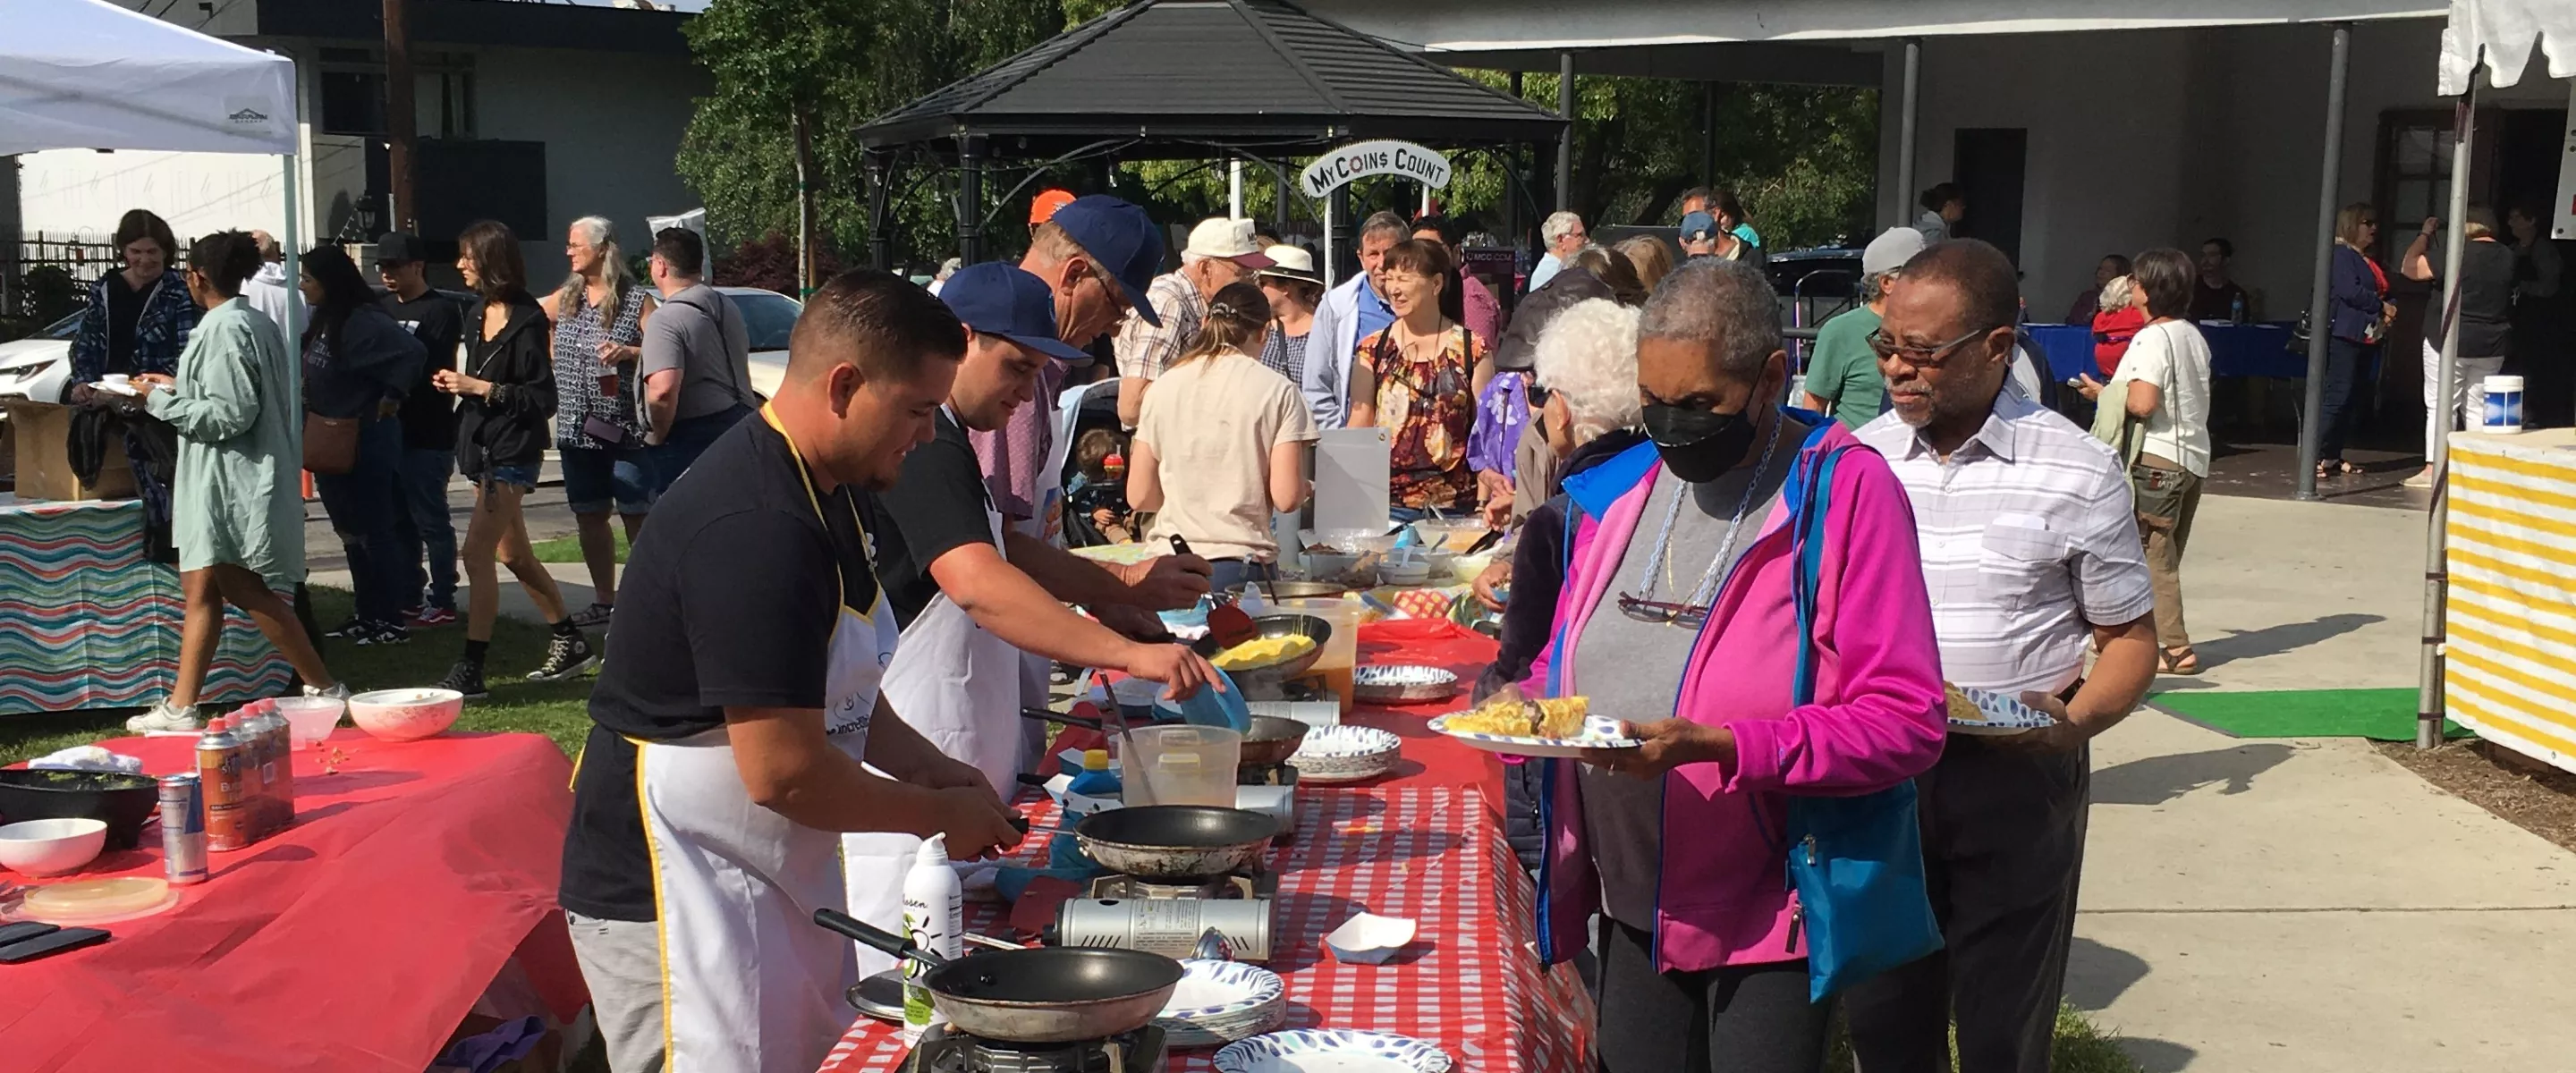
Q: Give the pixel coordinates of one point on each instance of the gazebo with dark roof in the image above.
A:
(1181, 79)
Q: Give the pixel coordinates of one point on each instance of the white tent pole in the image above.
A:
(2428, 696)
(294, 252)
(1234, 188)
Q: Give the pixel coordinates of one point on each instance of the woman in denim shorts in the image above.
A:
(507, 393)
(599, 316)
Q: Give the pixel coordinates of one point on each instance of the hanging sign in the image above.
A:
(1336, 169)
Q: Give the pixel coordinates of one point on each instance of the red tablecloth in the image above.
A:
(353, 941)
(1425, 842)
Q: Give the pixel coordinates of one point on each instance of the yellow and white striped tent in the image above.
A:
(2510, 652)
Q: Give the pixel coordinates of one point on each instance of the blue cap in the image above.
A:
(999, 299)
(1698, 227)
(1125, 240)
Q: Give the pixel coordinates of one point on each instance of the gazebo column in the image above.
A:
(880, 220)
(2321, 275)
(1565, 141)
(970, 198)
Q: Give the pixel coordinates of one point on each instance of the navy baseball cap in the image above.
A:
(1125, 240)
(1698, 226)
(999, 299)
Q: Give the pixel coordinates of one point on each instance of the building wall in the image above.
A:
(612, 126)
(2167, 137)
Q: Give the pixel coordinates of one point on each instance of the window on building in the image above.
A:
(353, 94)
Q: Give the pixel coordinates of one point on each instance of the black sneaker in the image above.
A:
(384, 633)
(466, 677)
(595, 616)
(567, 655)
(354, 628)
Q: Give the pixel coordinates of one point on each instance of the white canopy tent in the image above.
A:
(86, 74)
(2496, 38)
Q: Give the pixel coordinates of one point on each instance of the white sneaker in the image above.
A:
(164, 717)
(338, 692)
(2420, 480)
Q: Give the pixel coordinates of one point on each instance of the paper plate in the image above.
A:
(1599, 732)
(1346, 752)
(1332, 1050)
(2005, 716)
(1402, 684)
(1219, 1002)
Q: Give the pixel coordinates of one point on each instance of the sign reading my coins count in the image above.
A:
(1337, 168)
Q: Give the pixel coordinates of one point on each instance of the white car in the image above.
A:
(39, 366)
(768, 318)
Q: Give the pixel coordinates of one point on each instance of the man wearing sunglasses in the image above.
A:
(2030, 550)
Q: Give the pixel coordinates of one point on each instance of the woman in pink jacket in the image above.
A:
(1676, 615)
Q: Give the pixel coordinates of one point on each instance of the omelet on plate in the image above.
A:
(1263, 651)
(1555, 717)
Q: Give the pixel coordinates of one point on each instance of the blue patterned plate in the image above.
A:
(1214, 989)
(2003, 715)
(1599, 732)
(1332, 1050)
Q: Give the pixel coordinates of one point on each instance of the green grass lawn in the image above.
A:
(567, 549)
(557, 710)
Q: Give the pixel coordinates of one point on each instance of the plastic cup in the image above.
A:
(309, 719)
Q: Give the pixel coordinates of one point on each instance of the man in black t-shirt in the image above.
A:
(972, 595)
(739, 701)
(428, 429)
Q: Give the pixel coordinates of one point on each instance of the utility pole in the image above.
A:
(400, 119)
(804, 204)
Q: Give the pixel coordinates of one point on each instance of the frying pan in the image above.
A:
(1267, 681)
(1175, 842)
(1272, 741)
(1048, 995)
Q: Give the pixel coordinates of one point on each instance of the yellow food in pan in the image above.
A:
(1264, 651)
(1557, 717)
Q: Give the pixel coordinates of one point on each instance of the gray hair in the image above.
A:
(601, 234)
(1383, 222)
(1728, 305)
(1558, 225)
(1587, 355)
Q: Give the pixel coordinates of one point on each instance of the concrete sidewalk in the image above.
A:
(2308, 905)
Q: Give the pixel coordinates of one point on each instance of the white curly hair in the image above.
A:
(1588, 357)
(2119, 293)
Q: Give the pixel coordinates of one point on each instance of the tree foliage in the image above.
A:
(1801, 158)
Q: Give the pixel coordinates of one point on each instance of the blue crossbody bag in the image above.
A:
(1856, 862)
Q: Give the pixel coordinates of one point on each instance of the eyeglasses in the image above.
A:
(1920, 357)
(1663, 613)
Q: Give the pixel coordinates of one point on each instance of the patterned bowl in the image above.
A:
(1346, 752)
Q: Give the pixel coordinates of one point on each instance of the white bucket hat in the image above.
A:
(1291, 262)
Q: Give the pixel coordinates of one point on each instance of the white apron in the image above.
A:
(752, 985)
(960, 686)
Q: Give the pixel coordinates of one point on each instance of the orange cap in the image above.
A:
(1048, 200)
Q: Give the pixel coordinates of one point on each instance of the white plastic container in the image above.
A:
(1179, 764)
(2501, 411)
(934, 911)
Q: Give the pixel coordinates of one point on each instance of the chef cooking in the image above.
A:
(740, 724)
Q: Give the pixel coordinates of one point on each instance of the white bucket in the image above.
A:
(2502, 411)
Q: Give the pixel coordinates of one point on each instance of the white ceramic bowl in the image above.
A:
(1466, 567)
(1369, 939)
(406, 714)
(51, 847)
(1346, 752)
(310, 719)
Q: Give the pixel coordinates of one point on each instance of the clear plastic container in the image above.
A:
(1181, 765)
(1342, 649)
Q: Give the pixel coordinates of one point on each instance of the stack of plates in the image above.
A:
(1345, 752)
(2003, 715)
(1219, 1002)
(1338, 1050)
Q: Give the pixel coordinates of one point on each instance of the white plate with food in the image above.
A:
(1556, 726)
(1981, 713)
(1332, 1050)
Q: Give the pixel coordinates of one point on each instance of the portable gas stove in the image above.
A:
(1252, 884)
(946, 1050)
(1167, 918)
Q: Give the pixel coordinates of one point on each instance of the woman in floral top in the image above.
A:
(599, 315)
(1419, 378)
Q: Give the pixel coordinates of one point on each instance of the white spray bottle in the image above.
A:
(934, 906)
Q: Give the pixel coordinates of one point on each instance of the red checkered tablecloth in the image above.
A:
(1432, 853)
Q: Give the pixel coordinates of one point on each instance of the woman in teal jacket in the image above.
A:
(237, 508)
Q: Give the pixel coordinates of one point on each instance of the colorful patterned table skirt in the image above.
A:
(87, 622)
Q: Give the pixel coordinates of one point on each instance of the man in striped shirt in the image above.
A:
(2030, 549)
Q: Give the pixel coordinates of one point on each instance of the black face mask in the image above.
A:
(1698, 445)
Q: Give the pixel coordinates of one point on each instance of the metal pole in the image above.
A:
(1708, 133)
(970, 199)
(401, 120)
(1905, 109)
(1565, 141)
(1234, 188)
(2321, 280)
(1332, 265)
(294, 250)
(880, 221)
(1279, 210)
(2428, 695)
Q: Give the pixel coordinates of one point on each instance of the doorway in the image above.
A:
(1987, 163)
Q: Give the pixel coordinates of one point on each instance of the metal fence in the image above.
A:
(27, 289)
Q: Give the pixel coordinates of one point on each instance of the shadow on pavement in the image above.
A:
(2275, 640)
(2156, 1055)
(2158, 779)
(2097, 975)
